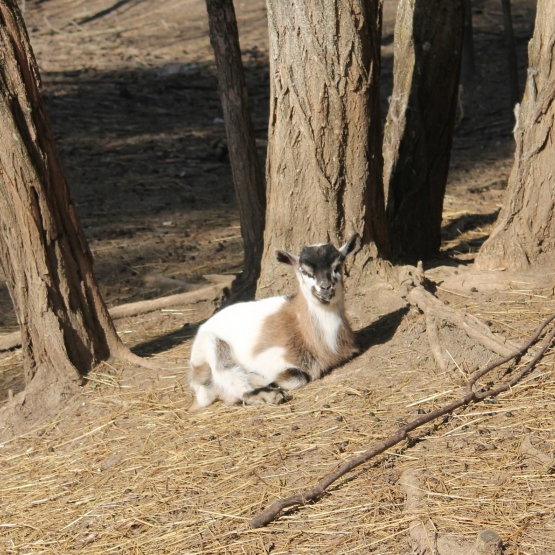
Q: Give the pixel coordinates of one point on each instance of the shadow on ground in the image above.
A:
(381, 330)
(166, 342)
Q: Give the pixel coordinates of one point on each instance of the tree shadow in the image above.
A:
(463, 224)
(467, 222)
(166, 342)
(106, 11)
(381, 330)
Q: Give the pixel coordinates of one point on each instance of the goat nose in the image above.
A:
(326, 286)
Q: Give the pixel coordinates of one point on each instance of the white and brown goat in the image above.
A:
(253, 352)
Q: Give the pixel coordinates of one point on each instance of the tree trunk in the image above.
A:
(420, 123)
(245, 165)
(324, 143)
(512, 64)
(65, 326)
(468, 70)
(524, 235)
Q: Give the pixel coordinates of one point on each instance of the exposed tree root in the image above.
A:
(44, 395)
(123, 354)
(527, 449)
(12, 340)
(423, 536)
(411, 285)
(433, 340)
(470, 396)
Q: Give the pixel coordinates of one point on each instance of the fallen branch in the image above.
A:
(411, 286)
(271, 513)
(141, 307)
(475, 329)
(12, 340)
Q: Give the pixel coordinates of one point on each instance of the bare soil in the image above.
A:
(131, 91)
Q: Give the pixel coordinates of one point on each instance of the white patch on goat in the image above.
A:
(231, 384)
(326, 317)
(204, 395)
(308, 282)
(328, 320)
(237, 325)
(270, 363)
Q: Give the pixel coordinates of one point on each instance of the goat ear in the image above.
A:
(352, 246)
(287, 258)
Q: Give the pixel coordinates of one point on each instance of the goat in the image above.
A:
(253, 352)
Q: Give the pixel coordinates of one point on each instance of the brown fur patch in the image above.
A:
(293, 329)
(202, 375)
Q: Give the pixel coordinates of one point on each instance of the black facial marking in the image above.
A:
(321, 262)
(320, 258)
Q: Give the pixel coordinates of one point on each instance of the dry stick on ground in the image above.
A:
(12, 340)
(411, 286)
(271, 513)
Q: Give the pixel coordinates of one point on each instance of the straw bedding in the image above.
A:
(126, 469)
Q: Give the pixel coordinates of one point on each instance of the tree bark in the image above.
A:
(324, 160)
(524, 235)
(420, 123)
(245, 164)
(65, 326)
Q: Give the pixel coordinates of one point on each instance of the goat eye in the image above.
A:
(307, 274)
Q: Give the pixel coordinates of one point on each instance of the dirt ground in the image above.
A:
(132, 95)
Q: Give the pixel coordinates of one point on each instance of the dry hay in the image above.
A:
(126, 469)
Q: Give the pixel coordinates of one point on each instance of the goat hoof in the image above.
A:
(265, 395)
(195, 407)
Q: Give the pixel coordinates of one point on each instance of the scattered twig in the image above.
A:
(411, 286)
(268, 515)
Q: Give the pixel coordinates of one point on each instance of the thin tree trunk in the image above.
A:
(511, 52)
(524, 235)
(245, 164)
(468, 62)
(420, 123)
(324, 160)
(65, 326)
